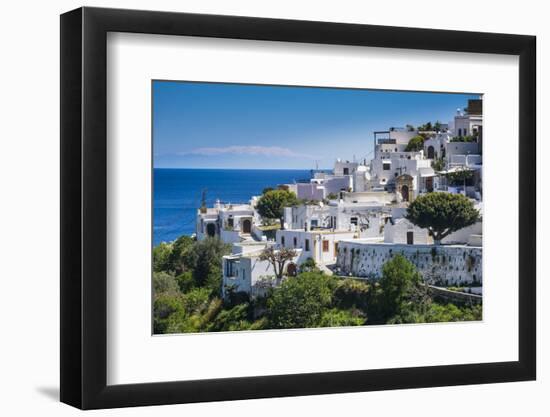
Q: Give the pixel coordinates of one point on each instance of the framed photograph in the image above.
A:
(257, 208)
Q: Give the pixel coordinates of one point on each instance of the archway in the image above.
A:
(431, 152)
(247, 226)
(211, 229)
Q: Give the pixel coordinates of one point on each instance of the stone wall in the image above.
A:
(439, 265)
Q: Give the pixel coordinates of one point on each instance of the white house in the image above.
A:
(243, 271)
(320, 245)
(392, 140)
(402, 231)
(230, 222)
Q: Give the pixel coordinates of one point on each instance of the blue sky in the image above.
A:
(208, 125)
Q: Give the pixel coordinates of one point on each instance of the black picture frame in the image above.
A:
(84, 207)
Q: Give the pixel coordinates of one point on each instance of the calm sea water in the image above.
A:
(177, 194)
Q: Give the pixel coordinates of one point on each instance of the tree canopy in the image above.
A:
(278, 259)
(300, 301)
(271, 204)
(442, 213)
(415, 144)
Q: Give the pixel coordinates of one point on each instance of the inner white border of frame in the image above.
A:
(135, 356)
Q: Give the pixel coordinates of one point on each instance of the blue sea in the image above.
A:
(177, 194)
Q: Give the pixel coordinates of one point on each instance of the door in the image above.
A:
(291, 270)
(430, 184)
(431, 152)
(211, 229)
(405, 193)
(410, 238)
(247, 226)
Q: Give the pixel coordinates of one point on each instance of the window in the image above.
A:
(353, 220)
(325, 245)
(307, 245)
(230, 222)
(346, 171)
(283, 241)
(386, 166)
(314, 223)
(295, 241)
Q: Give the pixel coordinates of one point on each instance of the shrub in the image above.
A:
(351, 293)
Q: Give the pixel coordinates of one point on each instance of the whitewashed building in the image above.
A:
(230, 222)
(243, 271)
(320, 245)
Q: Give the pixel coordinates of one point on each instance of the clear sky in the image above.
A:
(208, 125)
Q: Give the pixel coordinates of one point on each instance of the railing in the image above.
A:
(386, 141)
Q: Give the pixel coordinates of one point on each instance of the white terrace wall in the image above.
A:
(440, 265)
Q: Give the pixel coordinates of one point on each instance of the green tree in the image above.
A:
(426, 127)
(415, 144)
(185, 281)
(178, 258)
(161, 257)
(299, 302)
(271, 204)
(442, 213)
(401, 289)
(205, 259)
(164, 306)
(164, 282)
(278, 259)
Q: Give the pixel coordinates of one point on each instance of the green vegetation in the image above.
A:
(438, 164)
(442, 213)
(466, 138)
(415, 144)
(462, 177)
(187, 295)
(271, 204)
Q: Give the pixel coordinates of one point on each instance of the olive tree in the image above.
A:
(442, 213)
(278, 259)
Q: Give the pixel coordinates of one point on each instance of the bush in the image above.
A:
(351, 293)
(233, 319)
(164, 306)
(185, 281)
(335, 318)
(205, 258)
(161, 257)
(299, 302)
(308, 265)
(164, 282)
(400, 292)
(415, 144)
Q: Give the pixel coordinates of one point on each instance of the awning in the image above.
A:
(426, 172)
